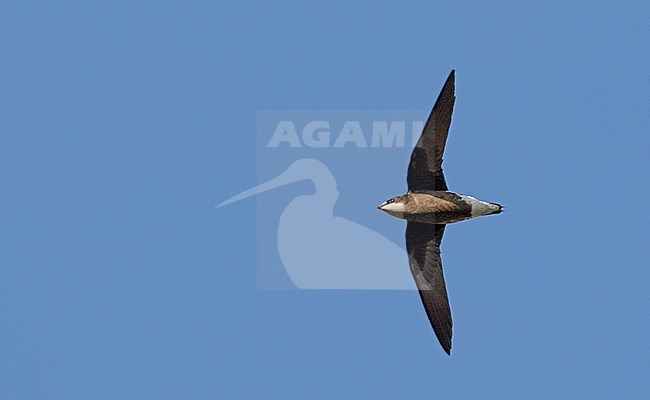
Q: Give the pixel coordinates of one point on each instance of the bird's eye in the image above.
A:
(391, 200)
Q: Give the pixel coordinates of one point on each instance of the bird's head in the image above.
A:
(395, 206)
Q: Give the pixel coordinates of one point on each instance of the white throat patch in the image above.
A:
(394, 208)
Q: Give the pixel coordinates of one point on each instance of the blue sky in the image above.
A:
(123, 125)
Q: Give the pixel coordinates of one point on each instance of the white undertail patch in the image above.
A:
(479, 207)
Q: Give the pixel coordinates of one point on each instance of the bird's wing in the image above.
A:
(425, 168)
(423, 247)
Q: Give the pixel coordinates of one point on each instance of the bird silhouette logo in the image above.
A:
(320, 250)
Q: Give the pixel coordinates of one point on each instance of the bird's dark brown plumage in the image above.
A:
(423, 244)
(423, 240)
(425, 167)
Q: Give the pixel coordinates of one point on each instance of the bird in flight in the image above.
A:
(428, 207)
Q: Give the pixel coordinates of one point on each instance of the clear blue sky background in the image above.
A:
(122, 124)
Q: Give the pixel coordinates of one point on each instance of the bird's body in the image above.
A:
(429, 206)
(437, 207)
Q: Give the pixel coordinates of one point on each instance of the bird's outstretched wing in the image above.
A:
(423, 247)
(425, 168)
